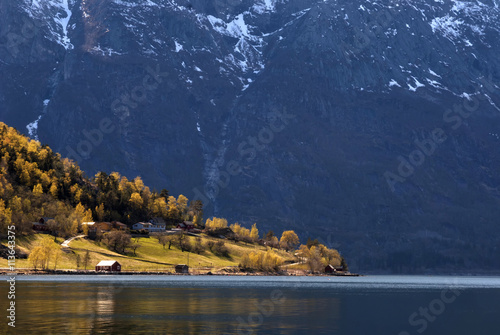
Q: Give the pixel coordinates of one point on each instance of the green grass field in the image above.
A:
(150, 256)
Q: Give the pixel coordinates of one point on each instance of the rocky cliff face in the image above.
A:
(374, 124)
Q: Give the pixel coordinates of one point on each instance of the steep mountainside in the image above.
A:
(372, 123)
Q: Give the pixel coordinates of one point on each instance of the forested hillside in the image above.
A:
(37, 182)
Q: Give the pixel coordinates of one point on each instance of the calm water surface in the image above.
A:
(398, 305)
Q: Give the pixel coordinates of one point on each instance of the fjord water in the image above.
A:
(399, 305)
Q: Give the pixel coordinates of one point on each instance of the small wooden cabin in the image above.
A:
(40, 227)
(119, 225)
(181, 268)
(109, 266)
(330, 269)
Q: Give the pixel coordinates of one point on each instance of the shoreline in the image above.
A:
(3, 272)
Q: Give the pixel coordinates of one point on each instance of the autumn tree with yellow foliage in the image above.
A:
(216, 223)
(261, 261)
(40, 255)
(289, 240)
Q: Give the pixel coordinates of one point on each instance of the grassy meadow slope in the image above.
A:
(150, 256)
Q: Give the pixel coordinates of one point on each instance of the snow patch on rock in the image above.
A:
(178, 46)
(104, 51)
(448, 26)
(417, 85)
(33, 126)
(394, 83)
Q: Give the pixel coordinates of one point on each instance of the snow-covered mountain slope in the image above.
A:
(55, 16)
(237, 42)
(285, 112)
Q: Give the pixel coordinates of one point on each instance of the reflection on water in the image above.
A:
(225, 306)
(70, 308)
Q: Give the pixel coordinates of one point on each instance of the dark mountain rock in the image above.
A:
(373, 124)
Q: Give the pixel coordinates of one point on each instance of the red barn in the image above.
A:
(186, 226)
(110, 266)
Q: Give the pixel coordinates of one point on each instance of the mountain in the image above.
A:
(373, 124)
